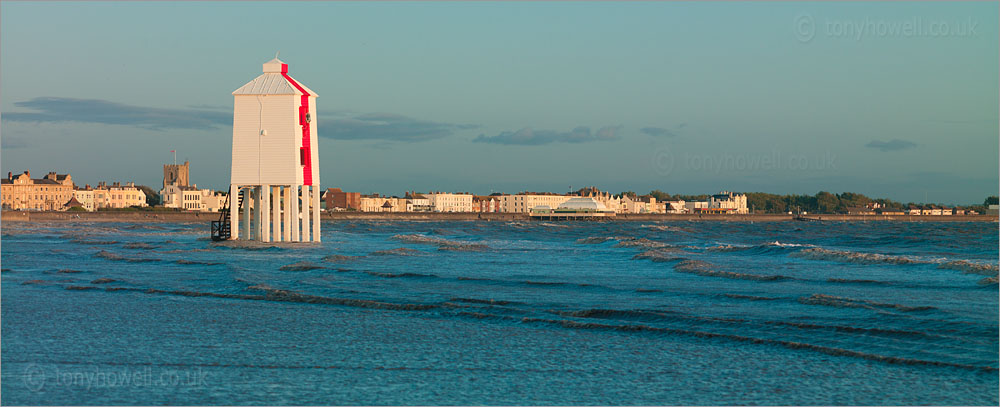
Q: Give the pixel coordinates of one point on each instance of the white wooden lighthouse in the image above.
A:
(274, 193)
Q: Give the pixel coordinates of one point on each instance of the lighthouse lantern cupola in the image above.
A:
(274, 192)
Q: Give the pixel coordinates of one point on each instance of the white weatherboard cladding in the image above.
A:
(270, 159)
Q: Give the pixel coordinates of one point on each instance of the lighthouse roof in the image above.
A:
(275, 66)
(274, 81)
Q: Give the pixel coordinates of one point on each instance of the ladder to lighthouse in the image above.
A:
(221, 229)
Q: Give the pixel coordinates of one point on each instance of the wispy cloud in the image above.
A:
(57, 110)
(11, 143)
(663, 131)
(211, 107)
(530, 137)
(891, 145)
(387, 127)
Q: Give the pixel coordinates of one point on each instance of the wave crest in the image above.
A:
(442, 243)
(658, 255)
(706, 269)
(844, 302)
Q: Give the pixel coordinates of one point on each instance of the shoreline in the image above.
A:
(141, 216)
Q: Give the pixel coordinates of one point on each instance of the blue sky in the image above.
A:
(481, 97)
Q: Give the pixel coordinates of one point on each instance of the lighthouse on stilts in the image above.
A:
(274, 191)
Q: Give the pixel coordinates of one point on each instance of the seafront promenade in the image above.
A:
(160, 216)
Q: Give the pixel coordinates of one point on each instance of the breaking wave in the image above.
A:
(817, 253)
(844, 302)
(750, 297)
(552, 225)
(640, 242)
(658, 255)
(971, 268)
(665, 228)
(851, 281)
(843, 256)
(272, 294)
(765, 248)
(139, 245)
(402, 251)
(706, 269)
(739, 338)
(339, 258)
(398, 275)
(852, 329)
(117, 257)
(594, 240)
(487, 302)
(442, 243)
(252, 245)
(198, 263)
(301, 266)
(617, 314)
(94, 242)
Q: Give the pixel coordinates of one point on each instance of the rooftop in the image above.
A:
(274, 81)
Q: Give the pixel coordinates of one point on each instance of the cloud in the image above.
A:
(891, 145)
(56, 110)
(387, 127)
(663, 131)
(530, 137)
(11, 143)
(212, 107)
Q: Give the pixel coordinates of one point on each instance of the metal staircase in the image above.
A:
(221, 229)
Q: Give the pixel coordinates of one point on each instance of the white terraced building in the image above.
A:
(524, 203)
(447, 202)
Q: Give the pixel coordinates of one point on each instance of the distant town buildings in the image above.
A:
(642, 204)
(118, 195)
(50, 193)
(529, 202)
(418, 203)
(526, 201)
(727, 202)
(178, 193)
(449, 202)
(574, 208)
(338, 200)
(85, 196)
(57, 192)
(376, 203)
(485, 203)
(675, 206)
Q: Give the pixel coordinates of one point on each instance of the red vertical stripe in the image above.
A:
(306, 148)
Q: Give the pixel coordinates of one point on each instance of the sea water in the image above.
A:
(391, 312)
